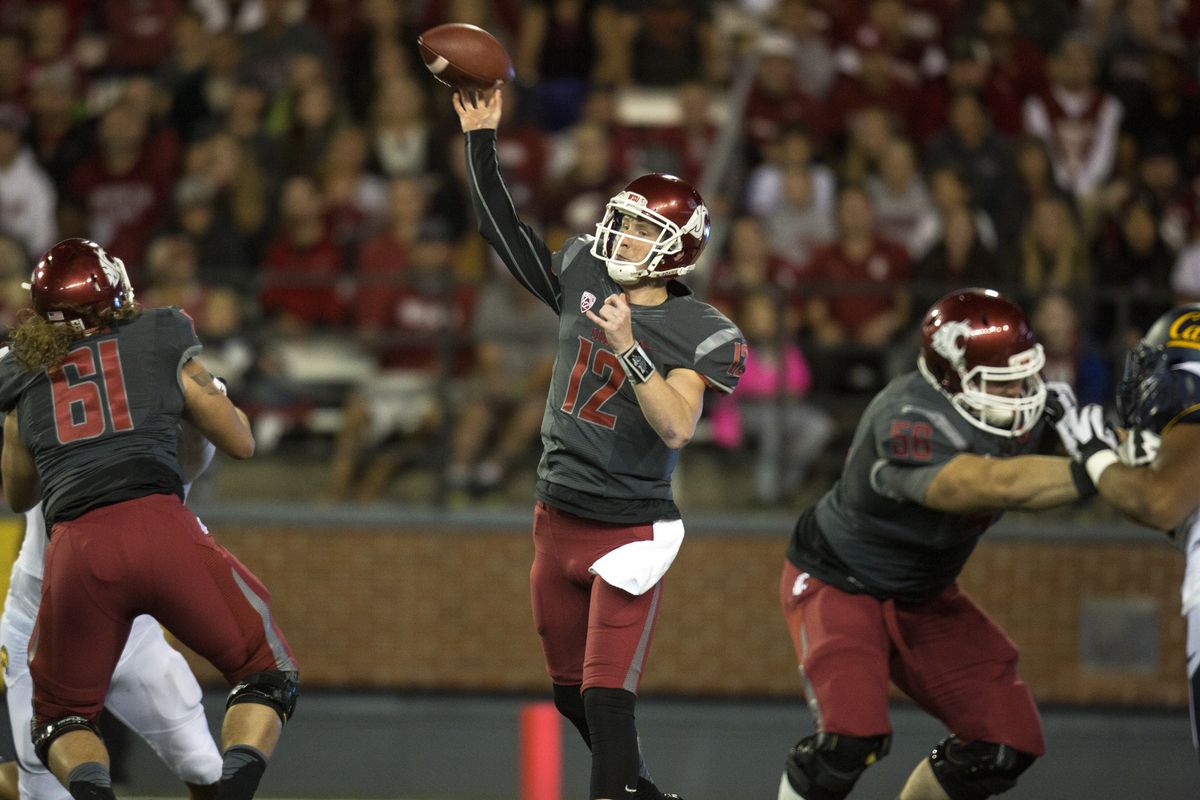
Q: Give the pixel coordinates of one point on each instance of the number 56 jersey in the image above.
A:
(597, 440)
(102, 428)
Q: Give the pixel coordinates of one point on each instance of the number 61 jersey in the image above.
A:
(596, 438)
(102, 429)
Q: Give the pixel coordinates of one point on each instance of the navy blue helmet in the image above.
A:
(1154, 393)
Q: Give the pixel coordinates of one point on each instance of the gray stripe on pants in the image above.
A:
(639, 655)
(282, 660)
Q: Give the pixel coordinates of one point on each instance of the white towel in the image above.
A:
(636, 567)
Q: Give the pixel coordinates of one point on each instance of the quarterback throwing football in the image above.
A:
(636, 351)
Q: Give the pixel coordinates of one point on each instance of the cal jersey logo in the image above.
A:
(1185, 331)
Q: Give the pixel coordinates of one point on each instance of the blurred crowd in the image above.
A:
(289, 173)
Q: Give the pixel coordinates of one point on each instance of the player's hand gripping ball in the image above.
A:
(465, 57)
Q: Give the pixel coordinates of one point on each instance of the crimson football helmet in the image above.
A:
(76, 283)
(978, 350)
(674, 207)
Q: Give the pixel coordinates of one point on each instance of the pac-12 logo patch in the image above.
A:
(586, 301)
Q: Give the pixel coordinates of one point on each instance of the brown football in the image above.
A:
(465, 56)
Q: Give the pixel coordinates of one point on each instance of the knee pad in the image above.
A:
(826, 766)
(44, 733)
(977, 770)
(278, 689)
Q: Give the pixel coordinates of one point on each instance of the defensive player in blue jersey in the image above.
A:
(1150, 477)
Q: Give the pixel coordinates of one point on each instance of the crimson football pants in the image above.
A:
(946, 654)
(592, 633)
(145, 556)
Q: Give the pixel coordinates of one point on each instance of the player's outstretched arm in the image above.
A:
(520, 248)
(971, 484)
(207, 407)
(1162, 494)
(22, 484)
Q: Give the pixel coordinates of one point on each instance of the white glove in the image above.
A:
(1139, 448)
(1089, 439)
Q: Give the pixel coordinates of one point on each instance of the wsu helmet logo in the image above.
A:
(113, 269)
(950, 342)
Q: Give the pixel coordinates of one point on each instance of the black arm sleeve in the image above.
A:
(518, 245)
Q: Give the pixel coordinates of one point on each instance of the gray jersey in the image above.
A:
(596, 438)
(871, 532)
(602, 459)
(102, 429)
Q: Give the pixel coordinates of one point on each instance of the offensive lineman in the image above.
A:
(869, 586)
(95, 388)
(1154, 482)
(635, 353)
(153, 691)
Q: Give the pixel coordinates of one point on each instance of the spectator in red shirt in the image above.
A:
(303, 265)
(750, 266)
(410, 309)
(390, 293)
(50, 34)
(138, 32)
(777, 99)
(124, 185)
(970, 69)
(875, 82)
(1018, 67)
(1078, 120)
(357, 199)
(877, 268)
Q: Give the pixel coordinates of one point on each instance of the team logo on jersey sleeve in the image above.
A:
(586, 301)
